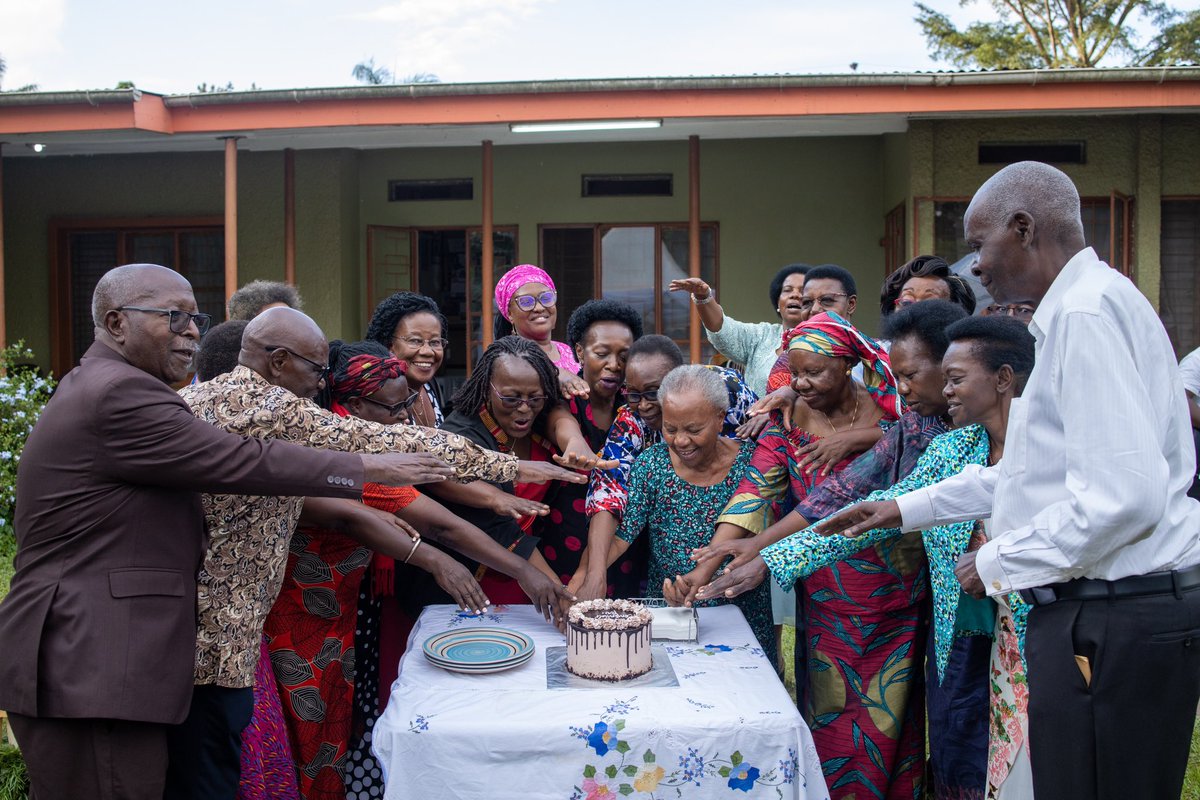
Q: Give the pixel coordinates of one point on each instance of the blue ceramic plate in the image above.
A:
(478, 650)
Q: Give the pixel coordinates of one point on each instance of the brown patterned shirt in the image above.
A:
(249, 536)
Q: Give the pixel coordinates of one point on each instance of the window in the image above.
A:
(1179, 300)
(893, 240)
(437, 189)
(1046, 152)
(1112, 242)
(84, 251)
(628, 185)
(443, 263)
(633, 264)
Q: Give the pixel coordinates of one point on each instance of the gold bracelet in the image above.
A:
(416, 544)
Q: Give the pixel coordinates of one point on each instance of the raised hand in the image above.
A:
(694, 286)
(860, 518)
(573, 386)
(405, 469)
(736, 581)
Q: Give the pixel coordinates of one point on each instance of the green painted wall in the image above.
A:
(776, 200)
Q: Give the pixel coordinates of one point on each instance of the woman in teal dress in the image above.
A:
(679, 487)
(985, 367)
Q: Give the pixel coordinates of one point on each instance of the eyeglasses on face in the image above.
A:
(1018, 310)
(394, 409)
(416, 342)
(825, 301)
(528, 302)
(534, 402)
(179, 320)
(635, 398)
(321, 370)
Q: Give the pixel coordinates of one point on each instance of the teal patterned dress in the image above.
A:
(680, 516)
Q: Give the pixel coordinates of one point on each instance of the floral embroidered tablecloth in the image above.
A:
(728, 730)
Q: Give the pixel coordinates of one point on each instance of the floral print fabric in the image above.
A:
(679, 517)
(249, 536)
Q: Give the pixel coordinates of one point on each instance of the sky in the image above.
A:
(171, 47)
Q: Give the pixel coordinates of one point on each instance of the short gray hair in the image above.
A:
(705, 381)
(1040, 189)
(249, 301)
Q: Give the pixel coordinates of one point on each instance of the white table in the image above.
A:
(728, 730)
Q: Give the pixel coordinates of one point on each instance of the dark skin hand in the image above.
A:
(736, 581)
(968, 575)
(860, 518)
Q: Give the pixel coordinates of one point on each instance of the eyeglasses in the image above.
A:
(395, 409)
(179, 320)
(634, 398)
(321, 370)
(535, 402)
(1019, 310)
(825, 301)
(528, 302)
(416, 342)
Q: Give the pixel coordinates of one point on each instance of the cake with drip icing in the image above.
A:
(608, 640)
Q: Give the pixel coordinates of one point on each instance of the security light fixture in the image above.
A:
(585, 125)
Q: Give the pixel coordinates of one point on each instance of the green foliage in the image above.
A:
(366, 72)
(23, 394)
(214, 88)
(1033, 34)
(14, 779)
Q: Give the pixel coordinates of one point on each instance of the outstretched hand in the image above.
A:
(860, 518)
(545, 471)
(736, 581)
(586, 461)
(694, 286)
(742, 550)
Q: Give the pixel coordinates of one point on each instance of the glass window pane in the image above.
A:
(1096, 215)
(442, 275)
(949, 241)
(202, 262)
(91, 255)
(568, 254)
(504, 256)
(152, 248)
(627, 270)
(677, 306)
(1179, 297)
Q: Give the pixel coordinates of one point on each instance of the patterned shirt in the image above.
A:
(629, 437)
(954, 613)
(249, 536)
(892, 457)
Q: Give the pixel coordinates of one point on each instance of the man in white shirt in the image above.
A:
(1089, 511)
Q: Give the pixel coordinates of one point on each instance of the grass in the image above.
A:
(1191, 779)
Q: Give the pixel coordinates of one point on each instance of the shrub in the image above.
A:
(23, 395)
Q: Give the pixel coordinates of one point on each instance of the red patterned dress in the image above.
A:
(310, 635)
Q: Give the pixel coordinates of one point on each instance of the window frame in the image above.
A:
(62, 332)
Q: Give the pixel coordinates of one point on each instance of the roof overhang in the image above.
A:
(448, 115)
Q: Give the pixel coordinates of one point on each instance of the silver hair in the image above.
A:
(696, 378)
(1041, 190)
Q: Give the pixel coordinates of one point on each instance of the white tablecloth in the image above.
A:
(728, 730)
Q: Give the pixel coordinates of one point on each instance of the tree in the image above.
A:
(421, 77)
(366, 72)
(1038, 34)
(29, 87)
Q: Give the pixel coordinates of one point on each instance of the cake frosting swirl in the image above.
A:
(608, 640)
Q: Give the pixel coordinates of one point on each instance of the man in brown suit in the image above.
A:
(98, 633)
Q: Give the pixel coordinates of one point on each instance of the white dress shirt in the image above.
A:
(1189, 371)
(1098, 453)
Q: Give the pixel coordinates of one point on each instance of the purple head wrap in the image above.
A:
(514, 279)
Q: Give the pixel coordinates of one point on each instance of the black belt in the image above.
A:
(1155, 583)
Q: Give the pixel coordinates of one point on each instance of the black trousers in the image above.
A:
(106, 759)
(204, 754)
(1127, 733)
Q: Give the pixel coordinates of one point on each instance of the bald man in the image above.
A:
(1090, 518)
(282, 366)
(98, 633)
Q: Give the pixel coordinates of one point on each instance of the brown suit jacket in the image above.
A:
(101, 618)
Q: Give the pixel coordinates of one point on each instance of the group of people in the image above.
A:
(979, 551)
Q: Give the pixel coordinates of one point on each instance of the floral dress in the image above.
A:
(679, 517)
(629, 436)
(311, 638)
(863, 641)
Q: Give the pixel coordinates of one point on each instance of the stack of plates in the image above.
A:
(478, 650)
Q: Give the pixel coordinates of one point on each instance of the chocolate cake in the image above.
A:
(608, 640)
